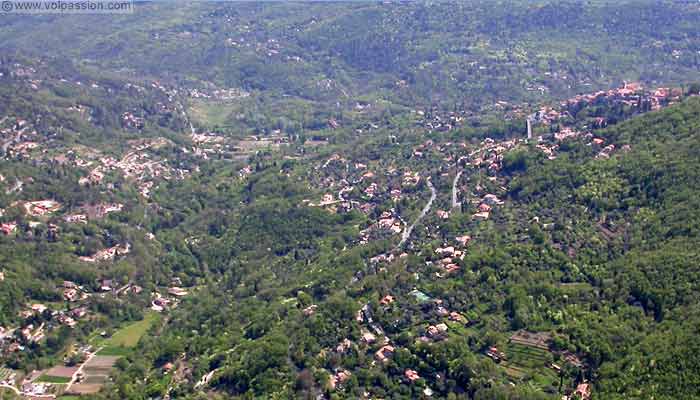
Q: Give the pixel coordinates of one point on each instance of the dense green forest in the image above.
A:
(340, 200)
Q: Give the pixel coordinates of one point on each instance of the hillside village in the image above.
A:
(409, 199)
(377, 188)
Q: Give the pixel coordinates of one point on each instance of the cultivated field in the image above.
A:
(61, 371)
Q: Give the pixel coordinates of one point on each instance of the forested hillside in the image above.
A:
(493, 200)
(299, 61)
(600, 253)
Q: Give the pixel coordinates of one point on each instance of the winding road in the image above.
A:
(407, 233)
(14, 389)
(455, 200)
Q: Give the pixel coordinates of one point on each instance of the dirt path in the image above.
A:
(75, 375)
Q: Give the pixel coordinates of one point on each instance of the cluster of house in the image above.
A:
(490, 153)
(386, 258)
(73, 292)
(148, 143)
(8, 341)
(346, 184)
(14, 339)
(373, 335)
(435, 332)
(135, 164)
(388, 221)
(218, 94)
(67, 318)
(310, 310)
(19, 139)
(326, 200)
(41, 207)
(485, 206)
(208, 144)
(37, 389)
(108, 254)
(439, 121)
(365, 315)
(582, 392)
(139, 166)
(105, 286)
(94, 177)
(548, 149)
(410, 178)
(35, 209)
(606, 151)
(93, 211)
(566, 133)
(160, 303)
(423, 148)
(32, 334)
(129, 120)
(270, 48)
(340, 377)
(199, 139)
(630, 94)
(451, 254)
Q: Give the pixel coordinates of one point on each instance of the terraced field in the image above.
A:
(528, 357)
(524, 361)
(5, 374)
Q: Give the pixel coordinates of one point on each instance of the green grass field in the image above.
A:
(113, 351)
(128, 336)
(211, 113)
(53, 379)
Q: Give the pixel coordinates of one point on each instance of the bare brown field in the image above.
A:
(64, 372)
(102, 361)
(94, 380)
(85, 388)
